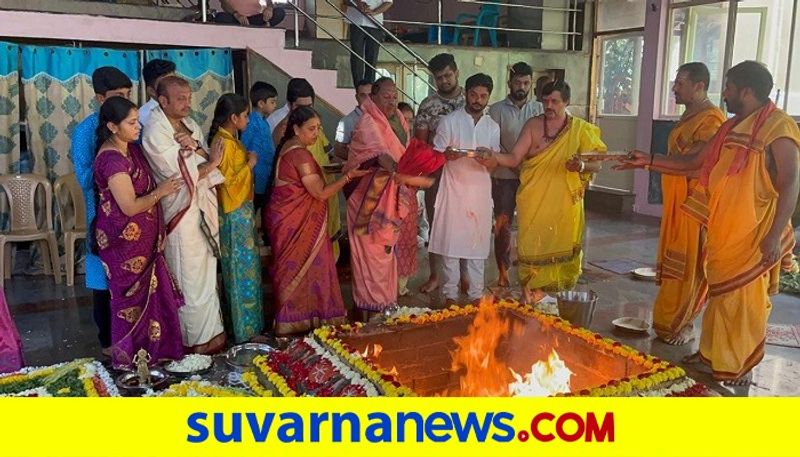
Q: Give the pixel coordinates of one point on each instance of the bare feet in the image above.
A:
(686, 335)
(692, 359)
(533, 297)
(430, 285)
(464, 285)
(744, 380)
(502, 280)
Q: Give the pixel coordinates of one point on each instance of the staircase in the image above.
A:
(268, 43)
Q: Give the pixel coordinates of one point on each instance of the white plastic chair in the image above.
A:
(72, 214)
(21, 193)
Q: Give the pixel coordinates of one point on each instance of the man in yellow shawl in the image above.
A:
(550, 197)
(746, 194)
(680, 271)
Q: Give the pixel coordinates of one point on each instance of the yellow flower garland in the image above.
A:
(183, 389)
(251, 380)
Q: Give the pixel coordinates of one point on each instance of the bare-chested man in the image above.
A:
(550, 196)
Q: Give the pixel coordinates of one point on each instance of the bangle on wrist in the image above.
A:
(583, 167)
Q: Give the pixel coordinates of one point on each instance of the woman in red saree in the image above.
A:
(303, 269)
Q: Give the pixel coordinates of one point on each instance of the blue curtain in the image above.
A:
(57, 83)
(210, 74)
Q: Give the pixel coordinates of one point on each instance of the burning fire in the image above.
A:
(376, 351)
(485, 375)
(546, 378)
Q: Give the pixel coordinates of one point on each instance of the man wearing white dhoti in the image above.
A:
(172, 143)
(462, 223)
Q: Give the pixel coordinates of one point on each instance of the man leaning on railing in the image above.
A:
(249, 12)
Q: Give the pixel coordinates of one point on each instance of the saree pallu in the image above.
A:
(681, 252)
(418, 160)
(241, 273)
(550, 210)
(303, 268)
(406, 249)
(375, 211)
(144, 297)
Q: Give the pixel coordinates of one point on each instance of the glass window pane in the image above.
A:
(696, 34)
(763, 31)
(621, 64)
(620, 14)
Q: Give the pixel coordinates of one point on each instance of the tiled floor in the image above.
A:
(56, 323)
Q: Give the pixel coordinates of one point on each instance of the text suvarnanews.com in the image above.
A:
(401, 427)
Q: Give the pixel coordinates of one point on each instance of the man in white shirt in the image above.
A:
(511, 115)
(295, 86)
(344, 131)
(462, 224)
(360, 14)
(153, 71)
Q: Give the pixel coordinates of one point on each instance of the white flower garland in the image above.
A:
(37, 391)
(91, 369)
(685, 384)
(343, 368)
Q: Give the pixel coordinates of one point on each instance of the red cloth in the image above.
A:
(420, 159)
(712, 157)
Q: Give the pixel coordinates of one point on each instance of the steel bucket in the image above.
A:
(577, 307)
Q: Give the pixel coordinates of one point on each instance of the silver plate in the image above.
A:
(128, 381)
(240, 357)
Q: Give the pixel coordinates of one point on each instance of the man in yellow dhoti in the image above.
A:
(550, 197)
(681, 273)
(746, 193)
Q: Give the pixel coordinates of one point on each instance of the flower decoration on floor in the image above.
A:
(79, 378)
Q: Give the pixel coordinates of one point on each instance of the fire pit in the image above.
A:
(496, 349)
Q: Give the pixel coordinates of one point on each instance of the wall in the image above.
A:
(261, 69)
(619, 134)
(494, 62)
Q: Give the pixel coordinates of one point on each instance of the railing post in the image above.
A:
(204, 10)
(296, 27)
(439, 27)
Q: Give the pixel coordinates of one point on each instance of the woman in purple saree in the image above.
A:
(129, 236)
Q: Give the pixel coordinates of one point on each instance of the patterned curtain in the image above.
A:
(210, 74)
(9, 117)
(57, 85)
(9, 108)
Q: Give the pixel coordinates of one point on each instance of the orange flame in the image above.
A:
(376, 351)
(484, 374)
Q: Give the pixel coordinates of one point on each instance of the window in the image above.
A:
(610, 14)
(620, 73)
(763, 33)
(696, 34)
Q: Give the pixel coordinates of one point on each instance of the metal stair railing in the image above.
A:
(353, 53)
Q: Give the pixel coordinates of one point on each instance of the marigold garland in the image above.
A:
(277, 381)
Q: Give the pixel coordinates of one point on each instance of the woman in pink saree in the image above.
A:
(303, 269)
(10, 343)
(380, 200)
(129, 234)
